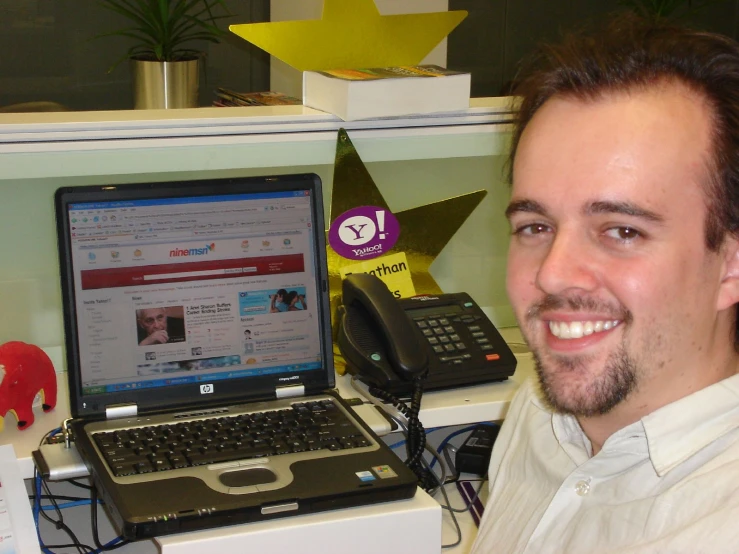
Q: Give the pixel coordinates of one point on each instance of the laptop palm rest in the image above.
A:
(247, 477)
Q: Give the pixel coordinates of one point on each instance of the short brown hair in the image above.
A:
(629, 53)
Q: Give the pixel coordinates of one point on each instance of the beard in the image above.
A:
(597, 393)
(597, 397)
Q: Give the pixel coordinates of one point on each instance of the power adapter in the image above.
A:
(58, 461)
(474, 454)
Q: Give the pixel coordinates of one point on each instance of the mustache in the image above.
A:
(553, 302)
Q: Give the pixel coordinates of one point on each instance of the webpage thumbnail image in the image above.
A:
(292, 299)
(160, 325)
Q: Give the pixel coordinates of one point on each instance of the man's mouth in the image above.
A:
(579, 329)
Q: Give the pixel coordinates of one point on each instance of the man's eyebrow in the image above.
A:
(529, 206)
(623, 208)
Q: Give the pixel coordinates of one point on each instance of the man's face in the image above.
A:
(153, 320)
(608, 272)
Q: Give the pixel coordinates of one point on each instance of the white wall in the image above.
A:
(285, 79)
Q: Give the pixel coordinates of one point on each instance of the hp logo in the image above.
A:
(206, 389)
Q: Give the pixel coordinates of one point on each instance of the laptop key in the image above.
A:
(143, 467)
(123, 470)
(256, 452)
(161, 464)
(197, 459)
(331, 444)
(178, 462)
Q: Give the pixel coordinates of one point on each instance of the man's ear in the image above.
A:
(729, 290)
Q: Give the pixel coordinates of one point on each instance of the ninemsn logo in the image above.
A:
(177, 252)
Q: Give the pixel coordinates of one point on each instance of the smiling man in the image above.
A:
(623, 272)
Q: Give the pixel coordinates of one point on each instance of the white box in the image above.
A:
(354, 94)
(402, 526)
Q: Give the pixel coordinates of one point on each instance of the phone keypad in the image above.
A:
(466, 347)
(444, 337)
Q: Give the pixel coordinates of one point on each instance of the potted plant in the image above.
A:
(165, 67)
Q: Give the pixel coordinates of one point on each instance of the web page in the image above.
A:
(185, 290)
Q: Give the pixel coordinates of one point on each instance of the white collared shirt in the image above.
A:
(667, 483)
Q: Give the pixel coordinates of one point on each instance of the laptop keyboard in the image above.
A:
(306, 426)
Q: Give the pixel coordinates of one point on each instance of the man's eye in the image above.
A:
(623, 234)
(531, 229)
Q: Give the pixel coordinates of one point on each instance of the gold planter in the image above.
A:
(165, 85)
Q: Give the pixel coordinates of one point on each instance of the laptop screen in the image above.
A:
(190, 293)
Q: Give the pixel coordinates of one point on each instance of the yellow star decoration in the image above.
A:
(352, 34)
(424, 231)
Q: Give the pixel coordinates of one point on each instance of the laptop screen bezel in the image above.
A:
(188, 396)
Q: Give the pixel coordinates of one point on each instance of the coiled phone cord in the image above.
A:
(416, 443)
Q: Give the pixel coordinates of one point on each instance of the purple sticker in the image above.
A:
(364, 233)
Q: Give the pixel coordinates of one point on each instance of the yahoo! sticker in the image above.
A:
(363, 233)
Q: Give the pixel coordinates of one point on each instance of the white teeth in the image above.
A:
(579, 329)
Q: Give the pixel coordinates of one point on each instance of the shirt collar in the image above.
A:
(674, 432)
(566, 429)
(679, 430)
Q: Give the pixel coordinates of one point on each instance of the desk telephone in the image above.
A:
(386, 341)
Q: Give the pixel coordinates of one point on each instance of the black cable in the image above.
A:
(440, 487)
(88, 548)
(442, 481)
(416, 440)
(94, 520)
(456, 478)
(468, 506)
(58, 497)
(450, 464)
(94, 517)
(78, 484)
(58, 524)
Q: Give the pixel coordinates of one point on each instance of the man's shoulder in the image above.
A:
(527, 412)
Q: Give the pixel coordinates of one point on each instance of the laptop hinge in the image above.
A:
(118, 411)
(290, 391)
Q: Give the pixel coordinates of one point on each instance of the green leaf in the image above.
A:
(162, 28)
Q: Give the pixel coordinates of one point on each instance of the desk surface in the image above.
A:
(79, 520)
(439, 408)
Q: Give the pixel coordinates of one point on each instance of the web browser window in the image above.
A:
(172, 291)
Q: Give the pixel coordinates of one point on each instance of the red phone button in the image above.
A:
(491, 357)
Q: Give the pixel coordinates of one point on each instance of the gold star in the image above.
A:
(424, 231)
(352, 34)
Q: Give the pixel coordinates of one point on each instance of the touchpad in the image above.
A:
(247, 477)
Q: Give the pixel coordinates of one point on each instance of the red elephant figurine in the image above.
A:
(25, 370)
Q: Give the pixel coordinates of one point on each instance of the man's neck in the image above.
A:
(652, 395)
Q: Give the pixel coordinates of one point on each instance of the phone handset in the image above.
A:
(381, 344)
(375, 334)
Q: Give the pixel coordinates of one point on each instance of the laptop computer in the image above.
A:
(199, 354)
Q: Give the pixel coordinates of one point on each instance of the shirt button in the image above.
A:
(582, 488)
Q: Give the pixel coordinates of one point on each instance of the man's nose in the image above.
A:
(569, 263)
